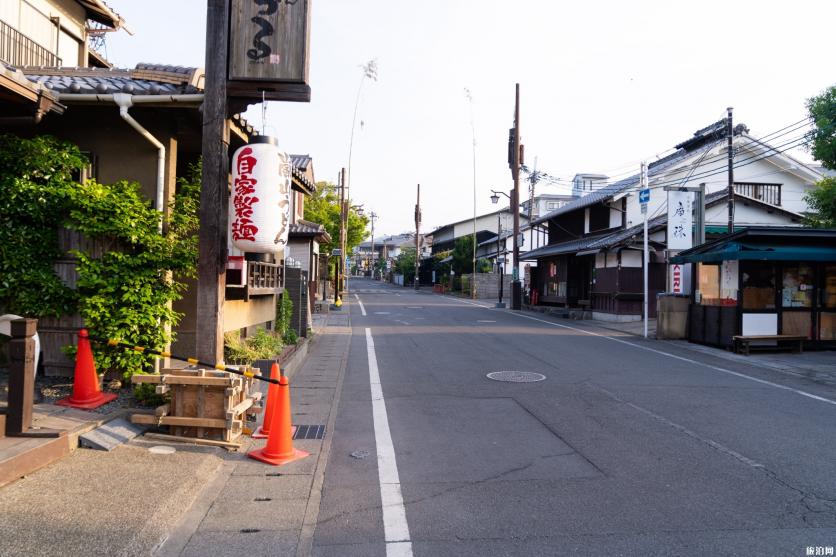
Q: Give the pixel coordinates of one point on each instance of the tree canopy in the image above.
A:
(405, 264)
(324, 208)
(822, 138)
(822, 145)
(822, 201)
(463, 255)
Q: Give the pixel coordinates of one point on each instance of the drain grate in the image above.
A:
(309, 432)
(516, 376)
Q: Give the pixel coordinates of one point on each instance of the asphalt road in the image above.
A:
(628, 447)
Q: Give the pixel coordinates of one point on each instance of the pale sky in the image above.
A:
(603, 85)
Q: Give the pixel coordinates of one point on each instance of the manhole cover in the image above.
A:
(162, 449)
(516, 376)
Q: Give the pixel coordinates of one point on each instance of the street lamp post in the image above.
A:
(369, 71)
(495, 200)
(473, 133)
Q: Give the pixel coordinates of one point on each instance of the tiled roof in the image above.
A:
(703, 139)
(307, 228)
(300, 161)
(615, 188)
(571, 246)
(621, 236)
(145, 79)
(16, 75)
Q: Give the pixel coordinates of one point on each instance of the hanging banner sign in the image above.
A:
(269, 46)
(677, 286)
(260, 204)
(679, 278)
(680, 220)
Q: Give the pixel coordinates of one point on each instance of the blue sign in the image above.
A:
(644, 195)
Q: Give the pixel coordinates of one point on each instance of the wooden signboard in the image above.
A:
(269, 45)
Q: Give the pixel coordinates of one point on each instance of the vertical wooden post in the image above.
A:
(21, 376)
(343, 233)
(214, 188)
(516, 285)
(417, 235)
(730, 145)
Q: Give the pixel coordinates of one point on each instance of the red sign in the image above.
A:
(676, 279)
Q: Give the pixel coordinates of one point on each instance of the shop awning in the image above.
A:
(743, 251)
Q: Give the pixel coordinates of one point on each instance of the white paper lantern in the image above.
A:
(260, 206)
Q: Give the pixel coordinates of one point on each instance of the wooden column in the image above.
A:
(214, 197)
(21, 376)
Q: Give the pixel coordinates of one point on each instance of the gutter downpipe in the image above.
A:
(123, 100)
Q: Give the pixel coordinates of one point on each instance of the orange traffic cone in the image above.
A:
(279, 449)
(263, 430)
(86, 392)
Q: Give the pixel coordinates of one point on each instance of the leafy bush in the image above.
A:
(261, 346)
(126, 293)
(284, 314)
(146, 395)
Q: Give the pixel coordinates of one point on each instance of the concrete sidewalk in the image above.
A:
(256, 509)
(195, 501)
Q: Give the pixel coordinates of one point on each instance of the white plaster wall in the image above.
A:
(796, 179)
(615, 216)
(32, 18)
(749, 215)
(631, 258)
(298, 250)
(774, 170)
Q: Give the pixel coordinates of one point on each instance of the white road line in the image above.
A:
(362, 309)
(395, 527)
(684, 359)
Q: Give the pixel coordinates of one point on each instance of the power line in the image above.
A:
(562, 182)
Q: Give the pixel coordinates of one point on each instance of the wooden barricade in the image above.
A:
(206, 405)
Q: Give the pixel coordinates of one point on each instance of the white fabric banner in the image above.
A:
(680, 220)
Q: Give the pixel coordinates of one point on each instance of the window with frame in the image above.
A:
(798, 287)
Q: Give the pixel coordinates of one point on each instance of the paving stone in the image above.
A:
(264, 542)
(110, 435)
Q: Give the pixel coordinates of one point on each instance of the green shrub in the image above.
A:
(146, 395)
(126, 292)
(263, 345)
(284, 314)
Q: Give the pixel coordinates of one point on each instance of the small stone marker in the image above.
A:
(110, 435)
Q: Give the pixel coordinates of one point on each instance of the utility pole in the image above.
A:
(700, 212)
(214, 195)
(499, 304)
(516, 286)
(417, 235)
(730, 143)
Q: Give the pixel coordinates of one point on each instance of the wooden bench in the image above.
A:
(743, 343)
